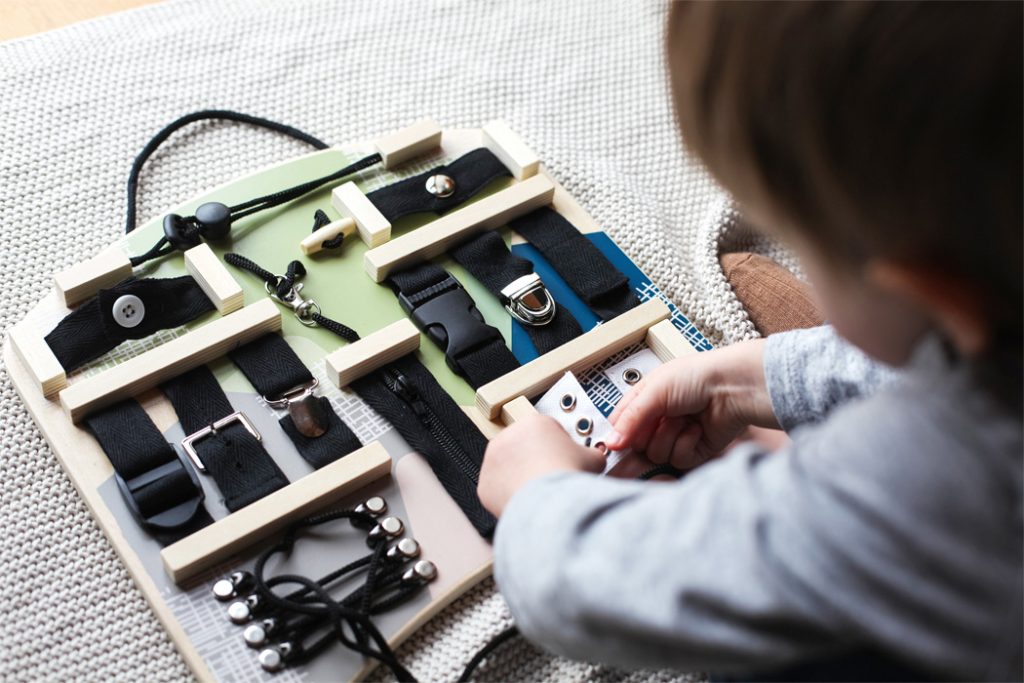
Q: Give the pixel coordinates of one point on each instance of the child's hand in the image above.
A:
(687, 411)
(526, 450)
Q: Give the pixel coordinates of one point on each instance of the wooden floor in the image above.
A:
(24, 17)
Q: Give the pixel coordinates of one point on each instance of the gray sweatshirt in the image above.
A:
(893, 521)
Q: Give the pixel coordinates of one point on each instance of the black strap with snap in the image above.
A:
(581, 264)
(441, 307)
(157, 482)
(276, 372)
(441, 188)
(520, 290)
(131, 309)
(221, 441)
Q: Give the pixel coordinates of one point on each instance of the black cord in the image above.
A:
(659, 470)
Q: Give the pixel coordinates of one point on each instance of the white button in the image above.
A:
(129, 310)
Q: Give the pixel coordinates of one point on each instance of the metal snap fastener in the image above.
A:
(631, 376)
(407, 548)
(271, 660)
(567, 402)
(440, 186)
(584, 426)
(224, 590)
(375, 506)
(239, 612)
(255, 636)
(129, 310)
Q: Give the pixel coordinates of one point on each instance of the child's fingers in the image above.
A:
(626, 400)
(659, 449)
(684, 450)
(636, 420)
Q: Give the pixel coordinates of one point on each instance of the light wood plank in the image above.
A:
(242, 528)
(440, 235)
(314, 242)
(85, 278)
(373, 351)
(510, 149)
(517, 409)
(214, 279)
(667, 342)
(350, 202)
(47, 372)
(577, 355)
(400, 146)
(179, 355)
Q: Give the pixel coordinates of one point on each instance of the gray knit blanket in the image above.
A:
(583, 82)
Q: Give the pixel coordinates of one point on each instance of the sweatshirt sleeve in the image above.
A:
(810, 372)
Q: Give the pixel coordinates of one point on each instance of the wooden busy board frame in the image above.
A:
(58, 405)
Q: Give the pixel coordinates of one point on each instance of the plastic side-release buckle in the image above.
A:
(180, 513)
(451, 319)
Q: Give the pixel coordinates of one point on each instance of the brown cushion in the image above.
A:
(774, 298)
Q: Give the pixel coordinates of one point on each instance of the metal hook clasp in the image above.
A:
(303, 308)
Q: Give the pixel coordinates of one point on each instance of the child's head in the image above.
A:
(882, 141)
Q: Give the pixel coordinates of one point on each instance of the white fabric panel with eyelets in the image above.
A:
(551, 404)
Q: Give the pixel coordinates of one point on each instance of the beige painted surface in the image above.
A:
(20, 18)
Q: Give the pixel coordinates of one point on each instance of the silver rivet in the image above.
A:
(224, 590)
(584, 426)
(373, 506)
(631, 376)
(271, 659)
(392, 526)
(421, 572)
(567, 402)
(441, 186)
(239, 612)
(406, 548)
(129, 310)
(255, 636)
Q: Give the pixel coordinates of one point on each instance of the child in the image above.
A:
(882, 143)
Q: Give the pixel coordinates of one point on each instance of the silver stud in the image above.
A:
(239, 612)
(375, 506)
(255, 636)
(567, 402)
(631, 376)
(128, 311)
(271, 660)
(584, 426)
(441, 186)
(224, 590)
(421, 572)
(405, 549)
(389, 526)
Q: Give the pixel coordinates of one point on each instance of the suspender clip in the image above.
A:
(183, 478)
(211, 430)
(528, 300)
(450, 318)
(305, 409)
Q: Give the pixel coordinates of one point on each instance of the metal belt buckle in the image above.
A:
(303, 308)
(211, 430)
(528, 300)
(451, 320)
(178, 514)
(305, 409)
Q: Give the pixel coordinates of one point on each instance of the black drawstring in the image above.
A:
(320, 219)
(181, 232)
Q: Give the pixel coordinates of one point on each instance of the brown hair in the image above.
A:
(872, 129)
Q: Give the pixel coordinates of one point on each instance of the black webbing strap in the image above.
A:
(581, 264)
(93, 329)
(469, 174)
(273, 368)
(487, 258)
(431, 422)
(233, 456)
(439, 306)
(160, 489)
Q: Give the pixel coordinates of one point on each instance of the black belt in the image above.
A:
(449, 186)
(581, 264)
(158, 484)
(221, 441)
(439, 306)
(408, 396)
(521, 291)
(131, 309)
(280, 377)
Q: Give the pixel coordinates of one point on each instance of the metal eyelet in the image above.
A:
(584, 426)
(567, 402)
(631, 376)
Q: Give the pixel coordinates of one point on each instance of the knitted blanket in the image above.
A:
(583, 82)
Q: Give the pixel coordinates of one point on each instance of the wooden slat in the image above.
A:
(254, 522)
(402, 145)
(511, 150)
(35, 353)
(439, 236)
(191, 350)
(214, 279)
(82, 280)
(579, 354)
(667, 342)
(373, 351)
(517, 409)
(350, 202)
